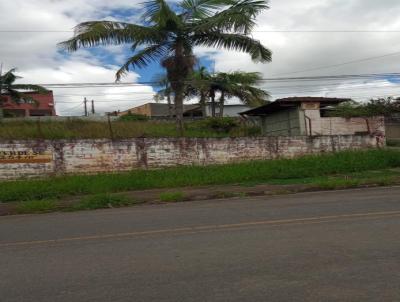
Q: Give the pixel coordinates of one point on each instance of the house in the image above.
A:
(155, 110)
(230, 110)
(36, 104)
(297, 116)
(162, 110)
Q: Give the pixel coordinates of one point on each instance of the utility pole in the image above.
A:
(85, 105)
(93, 112)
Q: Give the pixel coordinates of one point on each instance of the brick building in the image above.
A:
(37, 104)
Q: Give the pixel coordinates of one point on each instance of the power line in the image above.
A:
(341, 64)
(277, 79)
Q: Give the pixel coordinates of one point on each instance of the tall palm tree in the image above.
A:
(169, 33)
(238, 84)
(165, 91)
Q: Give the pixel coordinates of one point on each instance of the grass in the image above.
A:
(280, 171)
(80, 129)
(172, 196)
(101, 201)
(36, 206)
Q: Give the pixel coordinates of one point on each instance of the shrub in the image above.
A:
(221, 124)
(133, 117)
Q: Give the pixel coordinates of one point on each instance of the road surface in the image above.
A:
(330, 246)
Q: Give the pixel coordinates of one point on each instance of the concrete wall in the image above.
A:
(32, 159)
(342, 126)
(392, 130)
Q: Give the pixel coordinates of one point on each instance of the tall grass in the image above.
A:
(81, 129)
(258, 171)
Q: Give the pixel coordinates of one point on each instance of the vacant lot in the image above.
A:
(276, 171)
(76, 129)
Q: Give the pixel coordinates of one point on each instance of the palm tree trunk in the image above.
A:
(169, 106)
(221, 104)
(179, 110)
(212, 94)
(203, 104)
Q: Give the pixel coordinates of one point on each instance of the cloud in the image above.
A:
(39, 60)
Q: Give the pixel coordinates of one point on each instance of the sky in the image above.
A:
(304, 36)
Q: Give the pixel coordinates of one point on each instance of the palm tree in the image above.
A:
(239, 84)
(161, 81)
(199, 86)
(168, 35)
(7, 87)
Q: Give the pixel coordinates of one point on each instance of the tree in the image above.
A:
(7, 87)
(161, 81)
(381, 106)
(169, 33)
(199, 86)
(238, 84)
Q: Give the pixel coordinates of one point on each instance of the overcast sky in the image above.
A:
(39, 60)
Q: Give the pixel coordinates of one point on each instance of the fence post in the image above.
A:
(110, 127)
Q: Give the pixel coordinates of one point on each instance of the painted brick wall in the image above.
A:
(32, 159)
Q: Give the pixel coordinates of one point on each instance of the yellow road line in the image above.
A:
(207, 228)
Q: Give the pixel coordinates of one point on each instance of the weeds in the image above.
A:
(101, 201)
(172, 196)
(36, 206)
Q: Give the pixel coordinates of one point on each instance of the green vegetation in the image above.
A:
(100, 201)
(133, 117)
(36, 206)
(80, 129)
(283, 170)
(172, 196)
(382, 106)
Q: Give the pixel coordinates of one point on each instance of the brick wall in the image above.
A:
(32, 159)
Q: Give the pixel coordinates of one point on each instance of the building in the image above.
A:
(297, 116)
(155, 110)
(37, 104)
(230, 110)
(162, 110)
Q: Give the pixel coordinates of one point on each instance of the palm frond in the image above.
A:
(239, 18)
(200, 9)
(159, 13)
(9, 77)
(236, 42)
(143, 58)
(97, 33)
(30, 87)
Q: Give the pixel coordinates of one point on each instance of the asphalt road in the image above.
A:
(332, 246)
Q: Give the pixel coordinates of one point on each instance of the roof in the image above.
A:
(159, 109)
(291, 102)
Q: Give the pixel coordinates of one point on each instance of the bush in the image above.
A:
(133, 117)
(221, 124)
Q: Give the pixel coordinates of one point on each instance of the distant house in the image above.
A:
(162, 110)
(297, 116)
(36, 104)
(155, 110)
